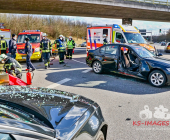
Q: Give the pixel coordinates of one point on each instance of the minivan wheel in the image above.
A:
(97, 67)
(157, 78)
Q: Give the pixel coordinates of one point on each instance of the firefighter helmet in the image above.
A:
(3, 56)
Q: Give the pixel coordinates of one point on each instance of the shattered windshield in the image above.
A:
(135, 38)
(34, 38)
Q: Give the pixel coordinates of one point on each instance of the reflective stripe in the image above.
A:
(19, 69)
(45, 50)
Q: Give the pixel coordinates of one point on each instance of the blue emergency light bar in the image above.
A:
(116, 26)
(31, 31)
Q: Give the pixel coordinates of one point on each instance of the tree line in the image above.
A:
(52, 25)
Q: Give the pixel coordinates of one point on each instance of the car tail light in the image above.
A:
(87, 53)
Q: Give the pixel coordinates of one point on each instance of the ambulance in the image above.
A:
(115, 34)
(35, 37)
(6, 33)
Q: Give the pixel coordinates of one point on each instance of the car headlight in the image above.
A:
(37, 49)
(168, 69)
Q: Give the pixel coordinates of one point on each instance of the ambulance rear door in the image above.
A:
(95, 36)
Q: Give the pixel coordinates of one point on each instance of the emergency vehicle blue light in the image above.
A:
(116, 26)
(31, 31)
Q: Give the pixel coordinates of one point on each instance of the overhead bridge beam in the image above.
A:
(88, 8)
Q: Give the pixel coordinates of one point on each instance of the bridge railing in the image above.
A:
(159, 2)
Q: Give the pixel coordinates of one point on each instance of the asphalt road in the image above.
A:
(120, 98)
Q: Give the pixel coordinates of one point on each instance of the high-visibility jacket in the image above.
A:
(60, 45)
(3, 44)
(45, 45)
(70, 44)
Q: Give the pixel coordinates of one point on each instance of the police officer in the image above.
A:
(46, 48)
(13, 46)
(11, 65)
(3, 44)
(70, 47)
(105, 40)
(28, 51)
(61, 48)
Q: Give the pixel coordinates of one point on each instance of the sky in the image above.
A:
(148, 25)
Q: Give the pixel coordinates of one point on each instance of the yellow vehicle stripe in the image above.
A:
(122, 28)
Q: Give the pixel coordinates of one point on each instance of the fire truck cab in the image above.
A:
(115, 34)
(35, 37)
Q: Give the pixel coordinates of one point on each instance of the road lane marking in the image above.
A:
(59, 83)
(78, 61)
(86, 71)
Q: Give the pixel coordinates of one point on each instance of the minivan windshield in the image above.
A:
(142, 52)
(135, 38)
(34, 38)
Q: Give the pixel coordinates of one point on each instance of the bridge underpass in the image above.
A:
(89, 8)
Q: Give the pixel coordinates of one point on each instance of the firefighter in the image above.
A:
(70, 47)
(28, 51)
(105, 39)
(46, 48)
(13, 46)
(61, 48)
(3, 44)
(11, 66)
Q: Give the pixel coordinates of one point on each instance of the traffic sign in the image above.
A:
(142, 31)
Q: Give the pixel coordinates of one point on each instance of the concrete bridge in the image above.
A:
(135, 9)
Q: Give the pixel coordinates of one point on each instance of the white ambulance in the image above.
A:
(115, 34)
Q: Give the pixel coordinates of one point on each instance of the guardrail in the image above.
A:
(159, 2)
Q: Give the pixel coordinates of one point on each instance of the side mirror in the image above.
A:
(159, 54)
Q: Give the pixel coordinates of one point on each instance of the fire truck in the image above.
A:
(35, 37)
(115, 34)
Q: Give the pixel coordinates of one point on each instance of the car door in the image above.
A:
(110, 57)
